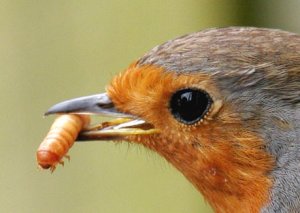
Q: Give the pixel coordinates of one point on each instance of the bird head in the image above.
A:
(209, 104)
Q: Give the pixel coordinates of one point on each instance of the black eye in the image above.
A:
(190, 105)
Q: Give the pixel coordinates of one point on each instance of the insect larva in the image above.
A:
(60, 139)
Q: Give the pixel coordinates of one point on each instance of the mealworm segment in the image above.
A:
(60, 139)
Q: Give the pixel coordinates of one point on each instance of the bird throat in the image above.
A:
(229, 184)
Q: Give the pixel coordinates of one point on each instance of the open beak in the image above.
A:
(117, 129)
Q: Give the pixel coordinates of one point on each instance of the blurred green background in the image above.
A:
(56, 50)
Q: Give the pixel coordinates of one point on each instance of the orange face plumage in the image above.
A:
(215, 153)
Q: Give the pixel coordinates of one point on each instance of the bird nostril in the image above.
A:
(105, 105)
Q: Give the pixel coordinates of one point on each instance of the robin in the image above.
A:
(222, 106)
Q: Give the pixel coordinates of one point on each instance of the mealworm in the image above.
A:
(60, 139)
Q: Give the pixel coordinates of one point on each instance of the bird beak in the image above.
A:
(117, 129)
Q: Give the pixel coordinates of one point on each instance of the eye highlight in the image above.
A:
(190, 105)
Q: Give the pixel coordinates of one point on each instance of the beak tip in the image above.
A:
(47, 113)
(53, 110)
(63, 107)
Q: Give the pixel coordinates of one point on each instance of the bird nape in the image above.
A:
(222, 106)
